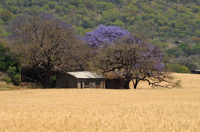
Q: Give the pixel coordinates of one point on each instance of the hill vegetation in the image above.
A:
(157, 19)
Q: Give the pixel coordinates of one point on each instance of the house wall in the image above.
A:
(69, 81)
(30, 84)
(114, 83)
(66, 81)
(91, 83)
(195, 71)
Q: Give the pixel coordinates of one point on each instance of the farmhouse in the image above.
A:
(195, 71)
(81, 79)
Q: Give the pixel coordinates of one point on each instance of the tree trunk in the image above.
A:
(47, 80)
(135, 83)
(47, 75)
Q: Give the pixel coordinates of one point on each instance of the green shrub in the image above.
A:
(14, 75)
(52, 5)
(6, 79)
(16, 79)
(177, 68)
(53, 82)
(183, 69)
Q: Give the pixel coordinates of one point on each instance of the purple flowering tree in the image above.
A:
(104, 34)
(44, 44)
(133, 59)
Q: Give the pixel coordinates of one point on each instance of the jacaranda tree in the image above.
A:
(128, 55)
(133, 59)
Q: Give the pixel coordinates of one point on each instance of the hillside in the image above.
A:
(173, 24)
(162, 19)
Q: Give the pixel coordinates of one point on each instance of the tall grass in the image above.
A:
(90, 110)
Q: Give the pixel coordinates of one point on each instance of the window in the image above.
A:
(86, 85)
(98, 83)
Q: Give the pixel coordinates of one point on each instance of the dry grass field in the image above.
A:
(188, 81)
(102, 110)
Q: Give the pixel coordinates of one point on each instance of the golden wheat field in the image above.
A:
(103, 110)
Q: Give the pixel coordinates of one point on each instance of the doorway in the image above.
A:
(81, 84)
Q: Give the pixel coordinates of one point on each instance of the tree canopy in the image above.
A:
(134, 59)
(43, 43)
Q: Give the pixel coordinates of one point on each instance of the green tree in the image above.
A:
(5, 15)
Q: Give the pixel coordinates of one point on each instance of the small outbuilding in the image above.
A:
(195, 71)
(29, 78)
(114, 80)
(80, 79)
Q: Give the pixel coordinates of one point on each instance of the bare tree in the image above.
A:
(44, 43)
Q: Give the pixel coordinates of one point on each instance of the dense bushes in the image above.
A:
(9, 65)
(178, 68)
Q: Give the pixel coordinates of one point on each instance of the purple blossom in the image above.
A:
(104, 34)
(150, 57)
(159, 66)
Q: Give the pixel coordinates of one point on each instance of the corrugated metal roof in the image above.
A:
(85, 74)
